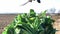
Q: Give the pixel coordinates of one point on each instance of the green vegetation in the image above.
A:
(31, 23)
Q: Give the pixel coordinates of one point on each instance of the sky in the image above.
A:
(14, 6)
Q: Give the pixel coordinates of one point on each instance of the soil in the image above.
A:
(6, 19)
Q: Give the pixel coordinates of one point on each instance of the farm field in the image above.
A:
(5, 19)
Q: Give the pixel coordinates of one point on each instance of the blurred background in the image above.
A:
(14, 6)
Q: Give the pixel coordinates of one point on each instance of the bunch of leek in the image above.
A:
(31, 23)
